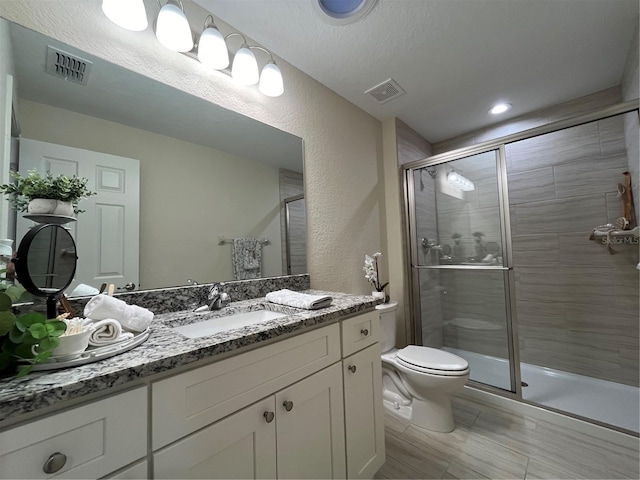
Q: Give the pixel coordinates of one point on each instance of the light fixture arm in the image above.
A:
(265, 51)
(232, 34)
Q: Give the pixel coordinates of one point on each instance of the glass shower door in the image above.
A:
(458, 263)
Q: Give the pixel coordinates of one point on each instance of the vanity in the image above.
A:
(295, 397)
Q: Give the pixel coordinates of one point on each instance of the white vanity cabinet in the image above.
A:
(362, 373)
(301, 418)
(296, 433)
(88, 441)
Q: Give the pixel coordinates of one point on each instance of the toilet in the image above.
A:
(418, 382)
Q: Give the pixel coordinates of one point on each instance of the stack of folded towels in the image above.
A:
(114, 321)
(299, 300)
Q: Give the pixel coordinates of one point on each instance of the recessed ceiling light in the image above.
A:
(342, 12)
(500, 108)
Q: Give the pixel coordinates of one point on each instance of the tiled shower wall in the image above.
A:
(577, 304)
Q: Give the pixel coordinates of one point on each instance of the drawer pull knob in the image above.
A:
(288, 405)
(352, 368)
(364, 332)
(268, 416)
(54, 463)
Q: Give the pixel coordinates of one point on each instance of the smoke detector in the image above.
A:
(386, 91)
(67, 66)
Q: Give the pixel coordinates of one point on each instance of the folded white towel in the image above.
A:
(106, 332)
(131, 317)
(299, 300)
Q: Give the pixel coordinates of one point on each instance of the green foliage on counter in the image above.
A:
(29, 338)
(34, 185)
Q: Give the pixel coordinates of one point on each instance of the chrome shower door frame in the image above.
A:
(411, 240)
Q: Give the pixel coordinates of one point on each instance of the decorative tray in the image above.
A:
(49, 219)
(93, 354)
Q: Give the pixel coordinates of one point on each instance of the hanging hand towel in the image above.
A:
(299, 300)
(107, 332)
(246, 255)
(131, 317)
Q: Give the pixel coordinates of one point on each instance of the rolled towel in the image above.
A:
(107, 332)
(131, 317)
(299, 300)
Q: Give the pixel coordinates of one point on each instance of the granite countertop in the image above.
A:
(166, 349)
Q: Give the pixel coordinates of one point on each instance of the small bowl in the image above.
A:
(72, 345)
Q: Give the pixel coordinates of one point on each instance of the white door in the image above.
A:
(242, 445)
(364, 418)
(107, 233)
(310, 427)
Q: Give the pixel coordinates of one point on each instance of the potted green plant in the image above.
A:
(38, 194)
(29, 337)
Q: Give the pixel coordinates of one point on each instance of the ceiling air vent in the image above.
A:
(68, 67)
(387, 90)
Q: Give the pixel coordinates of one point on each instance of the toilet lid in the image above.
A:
(432, 359)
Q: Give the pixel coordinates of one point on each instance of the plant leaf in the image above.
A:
(58, 327)
(7, 321)
(5, 302)
(31, 318)
(16, 335)
(24, 351)
(38, 330)
(48, 343)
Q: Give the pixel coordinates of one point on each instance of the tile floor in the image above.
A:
(492, 443)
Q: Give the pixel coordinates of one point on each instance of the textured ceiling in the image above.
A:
(455, 58)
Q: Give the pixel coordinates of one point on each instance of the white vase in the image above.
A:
(380, 295)
(47, 206)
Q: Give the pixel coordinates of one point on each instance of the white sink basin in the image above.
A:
(230, 322)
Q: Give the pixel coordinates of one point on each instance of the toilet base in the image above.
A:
(434, 414)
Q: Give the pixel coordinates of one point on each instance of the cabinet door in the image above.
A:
(86, 441)
(239, 446)
(364, 418)
(310, 427)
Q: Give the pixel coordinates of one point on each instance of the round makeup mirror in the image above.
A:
(46, 263)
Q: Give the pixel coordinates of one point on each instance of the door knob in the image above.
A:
(54, 463)
(129, 286)
(268, 416)
(288, 405)
(364, 332)
(352, 368)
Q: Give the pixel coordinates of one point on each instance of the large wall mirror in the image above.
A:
(207, 175)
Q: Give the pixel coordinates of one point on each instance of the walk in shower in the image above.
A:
(517, 265)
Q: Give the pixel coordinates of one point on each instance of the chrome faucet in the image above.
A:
(217, 299)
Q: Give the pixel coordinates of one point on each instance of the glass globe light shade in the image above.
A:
(271, 80)
(212, 49)
(245, 67)
(173, 30)
(129, 14)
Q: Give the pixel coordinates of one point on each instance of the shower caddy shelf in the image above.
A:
(622, 234)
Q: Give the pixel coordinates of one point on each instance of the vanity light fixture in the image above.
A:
(499, 108)
(173, 31)
(212, 49)
(172, 27)
(244, 68)
(463, 183)
(129, 14)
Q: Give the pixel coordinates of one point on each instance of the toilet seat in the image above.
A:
(432, 361)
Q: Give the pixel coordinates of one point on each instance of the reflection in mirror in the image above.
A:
(204, 171)
(46, 263)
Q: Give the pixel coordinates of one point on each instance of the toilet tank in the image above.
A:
(387, 313)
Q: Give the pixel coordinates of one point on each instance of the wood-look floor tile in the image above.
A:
(477, 453)
(394, 423)
(545, 470)
(459, 471)
(417, 456)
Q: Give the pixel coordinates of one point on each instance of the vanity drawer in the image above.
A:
(189, 401)
(360, 332)
(96, 439)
